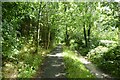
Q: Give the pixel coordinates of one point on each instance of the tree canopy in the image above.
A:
(33, 28)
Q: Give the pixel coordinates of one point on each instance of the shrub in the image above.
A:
(106, 59)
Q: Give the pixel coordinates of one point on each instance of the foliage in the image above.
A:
(22, 43)
(25, 63)
(107, 59)
(76, 69)
(28, 29)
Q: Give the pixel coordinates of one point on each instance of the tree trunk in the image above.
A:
(48, 39)
(38, 30)
(119, 34)
(67, 37)
(118, 25)
(48, 31)
(66, 32)
(89, 34)
(85, 36)
(119, 38)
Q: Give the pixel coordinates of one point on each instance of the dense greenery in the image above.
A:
(31, 30)
(21, 49)
(106, 59)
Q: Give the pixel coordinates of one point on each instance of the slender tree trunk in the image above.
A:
(119, 38)
(119, 35)
(48, 30)
(47, 25)
(48, 39)
(38, 30)
(67, 37)
(66, 31)
(84, 26)
(85, 36)
(119, 26)
(89, 34)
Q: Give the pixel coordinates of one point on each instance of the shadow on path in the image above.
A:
(53, 66)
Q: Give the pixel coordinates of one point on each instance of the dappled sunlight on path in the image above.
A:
(53, 66)
(55, 55)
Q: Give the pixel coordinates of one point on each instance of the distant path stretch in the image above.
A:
(53, 66)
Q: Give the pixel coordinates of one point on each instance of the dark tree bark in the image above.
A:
(89, 29)
(67, 37)
(85, 36)
(48, 29)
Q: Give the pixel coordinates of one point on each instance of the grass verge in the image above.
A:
(74, 68)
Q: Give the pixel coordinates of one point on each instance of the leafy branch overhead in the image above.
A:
(31, 30)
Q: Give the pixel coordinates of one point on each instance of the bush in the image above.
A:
(106, 59)
(24, 62)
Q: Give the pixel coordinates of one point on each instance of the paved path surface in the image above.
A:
(53, 66)
(92, 68)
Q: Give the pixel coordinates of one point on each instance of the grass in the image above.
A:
(74, 68)
(25, 63)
